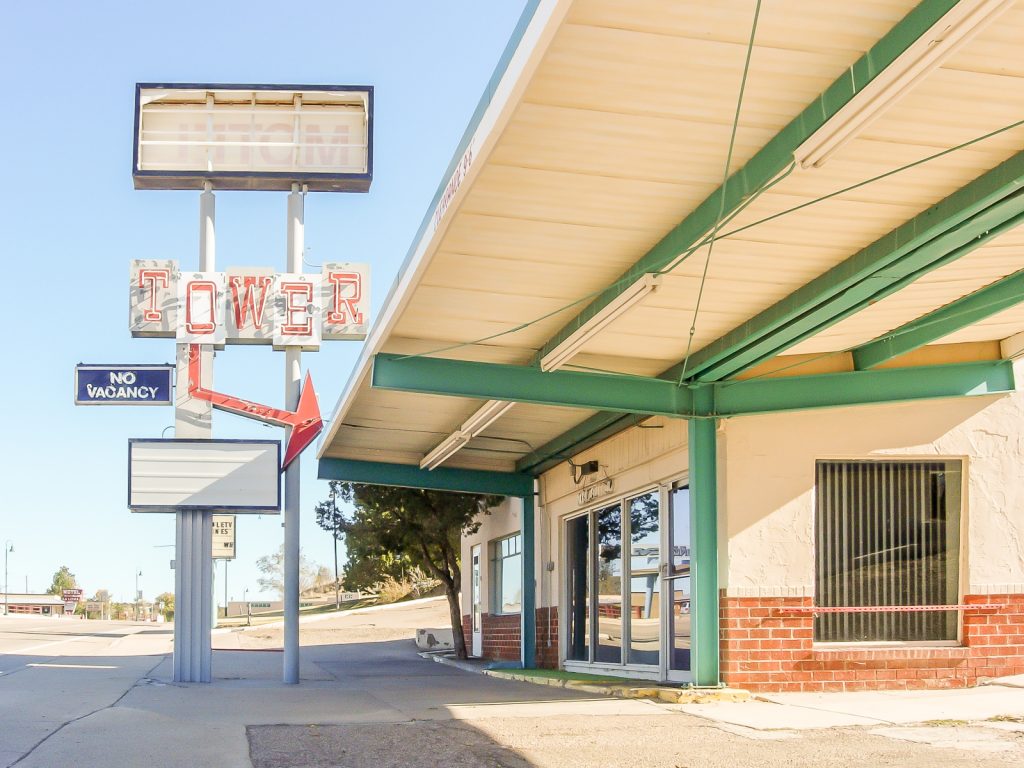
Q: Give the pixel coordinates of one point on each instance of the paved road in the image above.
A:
(100, 696)
(54, 671)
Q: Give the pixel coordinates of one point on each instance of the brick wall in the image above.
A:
(767, 647)
(547, 638)
(502, 635)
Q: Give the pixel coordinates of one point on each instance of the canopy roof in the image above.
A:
(567, 226)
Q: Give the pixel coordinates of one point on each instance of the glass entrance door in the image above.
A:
(613, 590)
(677, 584)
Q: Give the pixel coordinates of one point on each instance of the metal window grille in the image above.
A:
(887, 534)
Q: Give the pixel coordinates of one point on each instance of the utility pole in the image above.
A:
(292, 387)
(334, 532)
(139, 573)
(8, 547)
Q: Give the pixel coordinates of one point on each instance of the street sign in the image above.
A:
(71, 595)
(123, 384)
(196, 474)
(223, 537)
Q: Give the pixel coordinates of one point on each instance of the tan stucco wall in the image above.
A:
(502, 521)
(766, 485)
(636, 460)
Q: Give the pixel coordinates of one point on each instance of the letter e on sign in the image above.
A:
(153, 298)
(346, 299)
(298, 314)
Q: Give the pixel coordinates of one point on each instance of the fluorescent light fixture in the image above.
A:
(923, 56)
(573, 343)
(491, 411)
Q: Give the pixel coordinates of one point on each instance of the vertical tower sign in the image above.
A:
(295, 138)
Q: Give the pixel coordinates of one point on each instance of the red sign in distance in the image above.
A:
(305, 420)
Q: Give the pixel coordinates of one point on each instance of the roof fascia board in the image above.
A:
(527, 45)
(769, 161)
(951, 318)
(440, 479)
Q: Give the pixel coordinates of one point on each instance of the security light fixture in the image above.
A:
(573, 343)
(491, 411)
(926, 54)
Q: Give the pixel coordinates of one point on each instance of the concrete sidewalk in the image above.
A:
(1002, 701)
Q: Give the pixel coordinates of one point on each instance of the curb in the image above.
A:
(631, 691)
(618, 690)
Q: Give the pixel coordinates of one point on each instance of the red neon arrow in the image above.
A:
(305, 421)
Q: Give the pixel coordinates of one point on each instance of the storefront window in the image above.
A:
(609, 584)
(507, 574)
(577, 571)
(887, 534)
(644, 593)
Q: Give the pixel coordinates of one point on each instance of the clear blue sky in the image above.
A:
(70, 222)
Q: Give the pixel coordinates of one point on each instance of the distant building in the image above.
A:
(20, 602)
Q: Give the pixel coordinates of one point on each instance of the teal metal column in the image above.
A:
(704, 558)
(528, 621)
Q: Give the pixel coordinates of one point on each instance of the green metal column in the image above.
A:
(528, 623)
(704, 559)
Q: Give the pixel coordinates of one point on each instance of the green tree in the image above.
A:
(167, 598)
(62, 579)
(272, 568)
(424, 526)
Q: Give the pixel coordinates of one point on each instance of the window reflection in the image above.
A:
(609, 584)
(644, 594)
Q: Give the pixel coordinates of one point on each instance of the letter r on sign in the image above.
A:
(346, 292)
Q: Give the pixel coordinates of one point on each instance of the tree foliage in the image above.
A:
(272, 568)
(167, 598)
(62, 579)
(424, 527)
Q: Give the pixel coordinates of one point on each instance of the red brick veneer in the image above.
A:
(766, 647)
(502, 633)
(547, 638)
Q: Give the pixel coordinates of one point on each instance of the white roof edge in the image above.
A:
(547, 18)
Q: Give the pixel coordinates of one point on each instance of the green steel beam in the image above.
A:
(647, 396)
(587, 433)
(970, 217)
(528, 384)
(704, 560)
(830, 390)
(772, 159)
(440, 479)
(983, 303)
(528, 610)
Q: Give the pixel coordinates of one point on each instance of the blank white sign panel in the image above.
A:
(237, 475)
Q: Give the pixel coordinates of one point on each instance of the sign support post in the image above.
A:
(292, 387)
(193, 575)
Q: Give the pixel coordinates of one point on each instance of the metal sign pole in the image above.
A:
(193, 574)
(292, 386)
